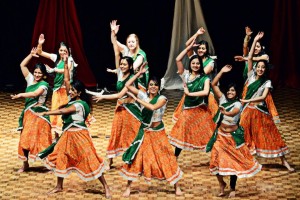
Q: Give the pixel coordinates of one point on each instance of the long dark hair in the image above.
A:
(80, 87)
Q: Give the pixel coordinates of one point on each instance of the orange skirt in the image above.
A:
(261, 134)
(154, 159)
(178, 109)
(193, 129)
(59, 98)
(35, 136)
(227, 159)
(124, 130)
(213, 105)
(75, 152)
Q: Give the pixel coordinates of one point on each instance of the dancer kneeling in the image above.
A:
(74, 150)
(229, 154)
(150, 154)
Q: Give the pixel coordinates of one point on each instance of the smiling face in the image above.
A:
(260, 68)
(74, 93)
(257, 48)
(195, 65)
(124, 66)
(153, 87)
(132, 42)
(202, 50)
(38, 74)
(231, 93)
(63, 50)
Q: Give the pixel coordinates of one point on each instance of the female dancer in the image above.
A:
(209, 68)
(261, 133)
(258, 54)
(195, 126)
(127, 115)
(150, 154)
(75, 150)
(229, 154)
(36, 131)
(59, 96)
(132, 49)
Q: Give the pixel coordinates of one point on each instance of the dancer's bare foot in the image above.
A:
(178, 191)
(55, 190)
(222, 188)
(24, 168)
(286, 164)
(107, 193)
(127, 192)
(231, 194)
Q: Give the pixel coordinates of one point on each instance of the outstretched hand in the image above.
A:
(97, 98)
(34, 52)
(259, 35)
(226, 68)
(41, 39)
(114, 27)
(201, 31)
(15, 96)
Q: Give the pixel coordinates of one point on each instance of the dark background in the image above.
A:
(150, 20)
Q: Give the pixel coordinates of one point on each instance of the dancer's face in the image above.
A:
(201, 50)
(195, 65)
(38, 74)
(74, 93)
(257, 48)
(153, 87)
(131, 43)
(62, 51)
(231, 93)
(260, 68)
(124, 66)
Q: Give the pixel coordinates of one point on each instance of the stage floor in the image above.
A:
(273, 182)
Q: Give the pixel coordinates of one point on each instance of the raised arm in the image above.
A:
(247, 38)
(200, 31)
(250, 56)
(26, 60)
(179, 58)
(40, 47)
(113, 37)
(214, 83)
(66, 73)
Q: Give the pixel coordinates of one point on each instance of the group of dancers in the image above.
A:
(231, 127)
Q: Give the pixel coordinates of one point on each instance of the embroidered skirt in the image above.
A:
(75, 152)
(154, 159)
(35, 136)
(124, 130)
(228, 159)
(193, 129)
(261, 134)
